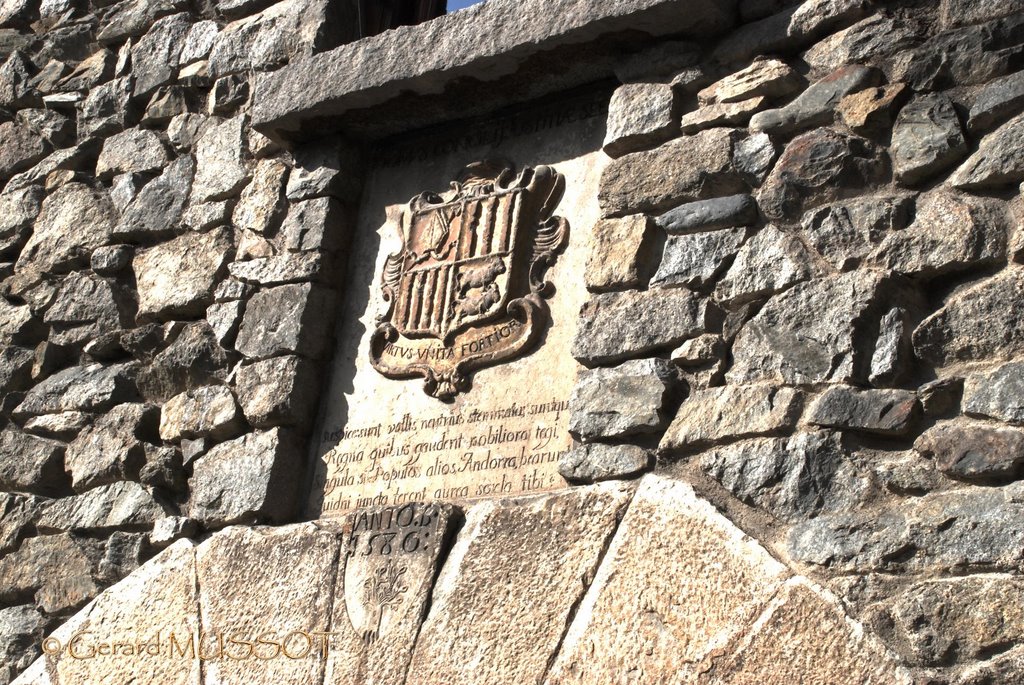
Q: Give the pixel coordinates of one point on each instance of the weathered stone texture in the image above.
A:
(676, 558)
(255, 477)
(684, 170)
(982, 322)
(811, 333)
(724, 414)
(554, 540)
(629, 399)
(176, 278)
(641, 115)
(619, 253)
(618, 326)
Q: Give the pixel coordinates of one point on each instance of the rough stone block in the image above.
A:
(598, 462)
(684, 170)
(729, 413)
(255, 477)
(632, 398)
(552, 540)
(640, 116)
(882, 412)
(974, 451)
(116, 506)
(176, 278)
(617, 326)
(210, 411)
(280, 391)
(984, 322)
(286, 319)
(998, 394)
(618, 253)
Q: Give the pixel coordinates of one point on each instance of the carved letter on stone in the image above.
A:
(467, 288)
(392, 553)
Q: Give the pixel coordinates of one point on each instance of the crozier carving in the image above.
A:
(467, 288)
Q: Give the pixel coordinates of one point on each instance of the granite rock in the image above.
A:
(791, 28)
(262, 203)
(286, 319)
(816, 168)
(999, 160)
(640, 116)
(92, 388)
(876, 36)
(131, 152)
(31, 464)
(20, 148)
(210, 411)
(695, 260)
(845, 233)
(545, 537)
(963, 530)
(996, 102)
(57, 571)
(599, 462)
(951, 232)
(974, 451)
(622, 325)
(118, 505)
(748, 279)
(729, 413)
(253, 478)
(926, 139)
(997, 394)
(764, 77)
(156, 212)
(220, 169)
(155, 57)
(279, 269)
(982, 322)
(881, 412)
(111, 449)
(106, 109)
(58, 240)
(619, 253)
(280, 391)
(792, 478)
(721, 114)
(812, 333)
(633, 398)
(687, 169)
(177, 278)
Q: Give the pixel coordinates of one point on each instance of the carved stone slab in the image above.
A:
(382, 595)
(471, 291)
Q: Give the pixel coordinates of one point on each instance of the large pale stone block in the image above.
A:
(505, 595)
(804, 637)
(678, 581)
(273, 580)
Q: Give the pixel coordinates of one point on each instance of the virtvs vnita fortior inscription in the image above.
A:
(467, 287)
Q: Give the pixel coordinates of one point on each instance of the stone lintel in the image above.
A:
(484, 57)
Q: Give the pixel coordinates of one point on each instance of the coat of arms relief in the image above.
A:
(467, 289)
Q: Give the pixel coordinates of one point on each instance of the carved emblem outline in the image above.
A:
(467, 288)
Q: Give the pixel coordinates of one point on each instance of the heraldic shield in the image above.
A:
(467, 288)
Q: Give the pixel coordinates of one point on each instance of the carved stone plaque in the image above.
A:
(472, 292)
(467, 287)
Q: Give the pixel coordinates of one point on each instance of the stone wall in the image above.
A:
(167, 275)
(805, 317)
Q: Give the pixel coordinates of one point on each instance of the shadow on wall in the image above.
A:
(377, 16)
